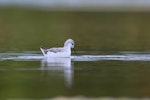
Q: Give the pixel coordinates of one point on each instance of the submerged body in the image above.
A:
(60, 51)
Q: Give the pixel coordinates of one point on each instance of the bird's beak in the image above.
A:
(75, 51)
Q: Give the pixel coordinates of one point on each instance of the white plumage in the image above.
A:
(60, 51)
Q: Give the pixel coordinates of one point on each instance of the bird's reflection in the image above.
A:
(63, 65)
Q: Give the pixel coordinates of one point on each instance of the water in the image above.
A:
(29, 75)
(113, 59)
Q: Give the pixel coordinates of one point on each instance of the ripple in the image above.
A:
(38, 57)
(126, 57)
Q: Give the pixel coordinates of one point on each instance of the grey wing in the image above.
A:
(55, 50)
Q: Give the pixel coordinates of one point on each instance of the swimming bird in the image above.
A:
(59, 51)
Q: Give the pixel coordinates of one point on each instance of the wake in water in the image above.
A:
(120, 57)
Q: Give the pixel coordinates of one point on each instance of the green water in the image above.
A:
(21, 79)
(95, 33)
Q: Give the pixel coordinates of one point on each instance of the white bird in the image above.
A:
(60, 51)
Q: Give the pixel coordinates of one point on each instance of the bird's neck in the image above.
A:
(67, 47)
(67, 50)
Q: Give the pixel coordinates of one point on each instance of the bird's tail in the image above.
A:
(42, 50)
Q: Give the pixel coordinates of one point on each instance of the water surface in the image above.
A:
(30, 75)
(113, 54)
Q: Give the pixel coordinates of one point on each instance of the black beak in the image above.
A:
(75, 51)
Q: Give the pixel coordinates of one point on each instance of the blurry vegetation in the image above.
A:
(24, 29)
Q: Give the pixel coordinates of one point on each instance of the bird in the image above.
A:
(64, 51)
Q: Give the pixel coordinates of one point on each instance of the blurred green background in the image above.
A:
(28, 29)
(23, 29)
